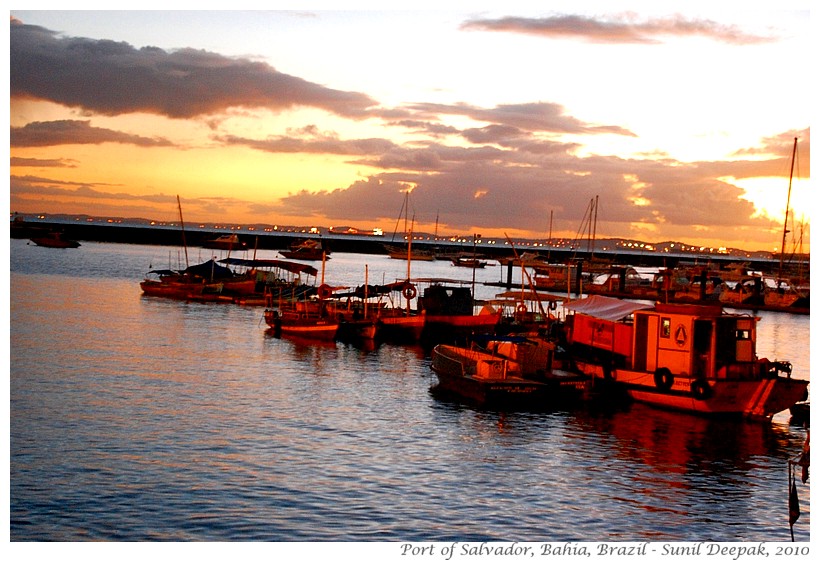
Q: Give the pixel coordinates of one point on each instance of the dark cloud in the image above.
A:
(314, 145)
(489, 186)
(533, 117)
(17, 162)
(54, 133)
(617, 29)
(180, 84)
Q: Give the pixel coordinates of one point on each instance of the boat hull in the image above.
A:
(402, 327)
(446, 327)
(483, 379)
(298, 325)
(752, 399)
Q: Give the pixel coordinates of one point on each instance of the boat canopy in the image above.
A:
(209, 270)
(290, 266)
(372, 290)
(529, 296)
(606, 308)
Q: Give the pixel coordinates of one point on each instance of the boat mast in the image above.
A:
(786, 220)
(182, 226)
(594, 229)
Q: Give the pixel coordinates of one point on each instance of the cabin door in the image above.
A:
(646, 338)
(639, 353)
(702, 349)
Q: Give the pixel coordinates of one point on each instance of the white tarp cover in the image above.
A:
(605, 308)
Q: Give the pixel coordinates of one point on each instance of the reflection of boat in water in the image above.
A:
(692, 358)
(55, 240)
(227, 242)
(309, 249)
(672, 443)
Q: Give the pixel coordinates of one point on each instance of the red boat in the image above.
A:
(310, 320)
(55, 240)
(694, 358)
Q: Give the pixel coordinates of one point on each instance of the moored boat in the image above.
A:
(55, 240)
(507, 372)
(483, 378)
(450, 311)
(306, 319)
(693, 358)
(471, 262)
(310, 250)
(205, 281)
(229, 242)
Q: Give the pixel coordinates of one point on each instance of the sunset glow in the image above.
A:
(675, 119)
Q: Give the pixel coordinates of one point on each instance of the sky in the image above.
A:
(499, 118)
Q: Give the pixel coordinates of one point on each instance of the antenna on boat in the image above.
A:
(526, 273)
(182, 226)
(786, 220)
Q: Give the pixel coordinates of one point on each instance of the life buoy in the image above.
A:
(409, 291)
(553, 305)
(701, 389)
(325, 291)
(521, 308)
(664, 378)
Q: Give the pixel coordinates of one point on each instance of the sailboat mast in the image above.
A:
(594, 228)
(182, 226)
(788, 202)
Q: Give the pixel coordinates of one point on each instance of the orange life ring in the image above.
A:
(521, 308)
(409, 291)
(325, 291)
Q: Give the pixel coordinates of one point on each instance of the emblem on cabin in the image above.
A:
(680, 335)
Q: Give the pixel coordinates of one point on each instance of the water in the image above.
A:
(143, 419)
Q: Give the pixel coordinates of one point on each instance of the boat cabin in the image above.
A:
(687, 340)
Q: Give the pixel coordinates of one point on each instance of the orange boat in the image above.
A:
(694, 358)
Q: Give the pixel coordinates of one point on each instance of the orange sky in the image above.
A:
(496, 120)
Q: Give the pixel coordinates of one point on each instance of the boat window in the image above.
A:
(741, 335)
(666, 327)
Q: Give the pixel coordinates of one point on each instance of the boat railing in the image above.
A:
(448, 364)
(754, 370)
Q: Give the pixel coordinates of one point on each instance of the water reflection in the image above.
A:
(147, 419)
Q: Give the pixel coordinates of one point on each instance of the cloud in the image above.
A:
(17, 162)
(625, 28)
(316, 145)
(184, 83)
(533, 117)
(54, 133)
(530, 188)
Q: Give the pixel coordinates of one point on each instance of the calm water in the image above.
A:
(142, 419)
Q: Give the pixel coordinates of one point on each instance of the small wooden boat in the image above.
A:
(508, 372)
(55, 240)
(309, 320)
(483, 378)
